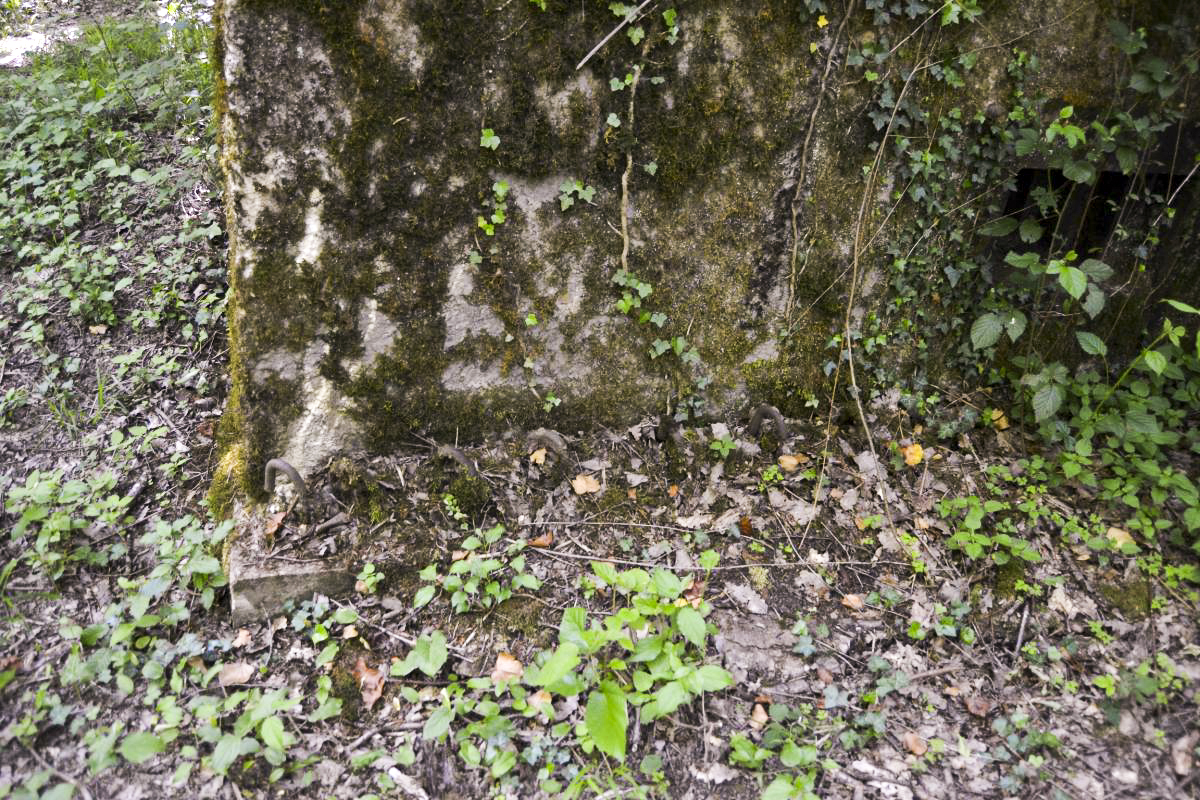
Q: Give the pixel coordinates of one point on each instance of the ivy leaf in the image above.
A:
(636, 34)
(1046, 402)
(1074, 281)
(489, 139)
(607, 719)
(1030, 230)
(999, 227)
(986, 331)
(141, 746)
(1092, 344)
(1156, 361)
(565, 201)
(651, 168)
(1015, 324)
(613, 120)
(691, 625)
(616, 84)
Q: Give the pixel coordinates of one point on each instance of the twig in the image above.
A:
(83, 790)
(628, 18)
(1021, 630)
(629, 563)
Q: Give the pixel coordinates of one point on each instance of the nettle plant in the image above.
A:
(478, 578)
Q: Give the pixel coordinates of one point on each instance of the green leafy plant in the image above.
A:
(478, 579)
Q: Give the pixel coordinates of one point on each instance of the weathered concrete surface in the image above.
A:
(369, 303)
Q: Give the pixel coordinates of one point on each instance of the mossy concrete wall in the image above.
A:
(350, 144)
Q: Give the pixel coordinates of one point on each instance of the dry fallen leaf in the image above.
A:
(854, 602)
(915, 744)
(459, 555)
(631, 493)
(273, 523)
(977, 704)
(349, 632)
(207, 429)
(1119, 537)
(913, 454)
(370, 682)
(243, 638)
(236, 673)
(999, 420)
(824, 676)
(545, 540)
(759, 717)
(361, 587)
(542, 701)
(538, 456)
(791, 463)
(1181, 753)
(507, 669)
(97, 330)
(673, 490)
(585, 484)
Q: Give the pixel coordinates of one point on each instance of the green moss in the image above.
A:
(1131, 598)
(1007, 575)
(473, 495)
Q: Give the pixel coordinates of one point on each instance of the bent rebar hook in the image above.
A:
(761, 413)
(277, 465)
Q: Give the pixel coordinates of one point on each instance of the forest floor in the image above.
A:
(591, 613)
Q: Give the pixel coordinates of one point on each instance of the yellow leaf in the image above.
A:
(1119, 537)
(812, 47)
(999, 420)
(585, 484)
(791, 463)
(821, 21)
(538, 456)
(913, 454)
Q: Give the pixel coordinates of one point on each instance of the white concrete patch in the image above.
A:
(462, 317)
(765, 351)
(379, 334)
(313, 240)
(385, 23)
(464, 377)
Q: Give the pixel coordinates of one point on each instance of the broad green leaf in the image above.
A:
(1022, 260)
(1093, 304)
(667, 584)
(1030, 230)
(1092, 344)
(1014, 324)
(713, 678)
(1079, 171)
(691, 625)
(438, 723)
(1155, 361)
(344, 616)
(1127, 159)
(793, 755)
(62, 791)
(141, 746)
(1074, 281)
(505, 761)
(272, 733)
(986, 331)
(782, 788)
(608, 718)
(225, 753)
(999, 227)
(424, 595)
(670, 696)
(1046, 402)
(558, 666)
(574, 622)
(1096, 269)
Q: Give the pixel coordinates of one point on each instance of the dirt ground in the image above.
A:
(913, 670)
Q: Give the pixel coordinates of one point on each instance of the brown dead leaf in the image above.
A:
(97, 330)
(1181, 753)
(459, 555)
(207, 429)
(1119, 537)
(15, 663)
(545, 540)
(791, 462)
(361, 587)
(542, 701)
(913, 454)
(977, 704)
(631, 493)
(999, 420)
(349, 632)
(507, 669)
(584, 483)
(759, 717)
(538, 456)
(370, 682)
(243, 638)
(238, 672)
(952, 691)
(273, 523)
(673, 491)
(915, 744)
(824, 676)
(854, 602)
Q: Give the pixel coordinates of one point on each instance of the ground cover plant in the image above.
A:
(992, 596)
